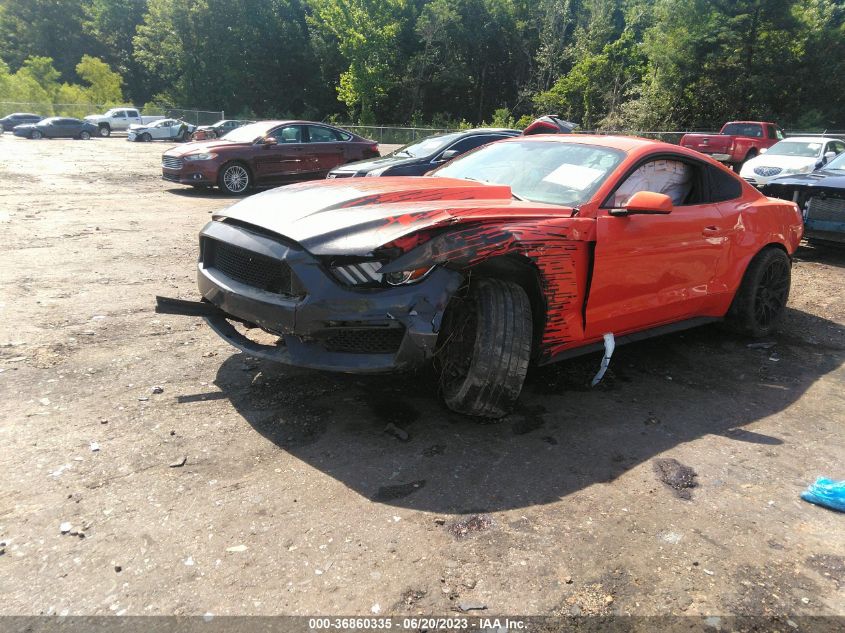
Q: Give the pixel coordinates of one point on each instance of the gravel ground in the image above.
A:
(240, 487)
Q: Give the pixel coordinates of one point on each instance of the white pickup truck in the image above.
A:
(119, 119)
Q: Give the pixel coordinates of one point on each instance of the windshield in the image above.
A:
(248, 133)
(567, 174)
(837, 163)
(807, 149)
(427, 146)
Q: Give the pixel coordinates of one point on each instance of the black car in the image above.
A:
(821, 197)
(18, 118)
(57, 127)
(422, 156)
(217, 130)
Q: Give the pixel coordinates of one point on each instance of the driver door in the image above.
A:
(655, 269)
(280, 161)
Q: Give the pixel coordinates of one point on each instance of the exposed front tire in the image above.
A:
(35, 135)
(234, 178)
(84, 135)
(146, 138)
(761, 299)
(484, 348)
(105, 131)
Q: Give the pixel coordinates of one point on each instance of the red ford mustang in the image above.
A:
(529, 250)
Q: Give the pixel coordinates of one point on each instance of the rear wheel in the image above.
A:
(761, 299)
(234, 178)
(751, 154)
(484, 348)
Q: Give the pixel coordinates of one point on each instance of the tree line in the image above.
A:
(607, 64)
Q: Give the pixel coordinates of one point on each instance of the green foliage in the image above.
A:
(607, 64)
(366, 32)
(104, 85)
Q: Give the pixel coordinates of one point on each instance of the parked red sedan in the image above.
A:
(267, 153)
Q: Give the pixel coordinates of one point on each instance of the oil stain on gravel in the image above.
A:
(475, 523)
(678, 477)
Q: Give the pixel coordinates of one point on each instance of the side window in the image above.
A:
(772, 131)
(779, 134)
(319, 134)
(120, 114)
(288, 134)
(671, 177)
(132, 113)
(838, 147)
(472, 142)
(687, 183)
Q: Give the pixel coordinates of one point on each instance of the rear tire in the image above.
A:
(484, 348)
(234, 179)
(761, 299)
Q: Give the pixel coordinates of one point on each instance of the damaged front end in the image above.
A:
(338, 313)
(822, 207)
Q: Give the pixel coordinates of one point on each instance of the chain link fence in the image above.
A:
(383, 134)
(81, 110)
(395, 135)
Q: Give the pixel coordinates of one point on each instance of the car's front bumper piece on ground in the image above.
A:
(258, 280)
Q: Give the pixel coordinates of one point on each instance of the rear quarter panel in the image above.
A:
(756, 223)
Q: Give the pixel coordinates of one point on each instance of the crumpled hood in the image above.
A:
(833, 179)
(355, 216)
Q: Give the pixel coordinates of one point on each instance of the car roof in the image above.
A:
(623, 143)
(811, 139)
(482, 130)
(761, 122)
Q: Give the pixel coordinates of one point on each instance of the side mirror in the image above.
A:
(763, 150)
(449, 154)
(269, 141)
(828, 156)
(645, 203)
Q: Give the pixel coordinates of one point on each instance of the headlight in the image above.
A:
(798, 170)
(403, 277)
(204, 156)
(379, 171)
(366, 273)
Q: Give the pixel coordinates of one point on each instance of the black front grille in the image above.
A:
(826, 209)
(365, 340)
(173, 177)
(249, 268)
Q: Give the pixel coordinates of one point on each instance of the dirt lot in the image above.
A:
(294, 500)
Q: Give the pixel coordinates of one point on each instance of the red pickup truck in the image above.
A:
(736, 142)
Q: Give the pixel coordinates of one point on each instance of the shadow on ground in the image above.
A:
(563, 437)
(831, 254)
